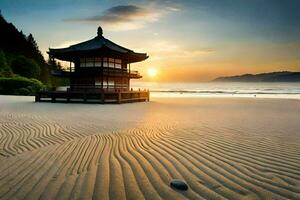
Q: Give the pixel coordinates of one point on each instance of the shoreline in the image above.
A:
(201, 95)
(167, 95)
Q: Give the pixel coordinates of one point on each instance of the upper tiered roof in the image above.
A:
(98, 46)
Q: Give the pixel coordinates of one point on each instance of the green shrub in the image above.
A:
(20, 86)
(25, 67)
(5, 70)
(23, 91)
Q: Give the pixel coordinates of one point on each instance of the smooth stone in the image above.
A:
(179, 184)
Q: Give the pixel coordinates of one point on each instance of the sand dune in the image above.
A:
(223, 148)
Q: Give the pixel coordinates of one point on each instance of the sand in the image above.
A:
(224, 148)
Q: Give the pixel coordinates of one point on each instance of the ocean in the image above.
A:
(222, 89)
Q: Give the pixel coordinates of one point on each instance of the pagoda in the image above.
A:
(99, 72)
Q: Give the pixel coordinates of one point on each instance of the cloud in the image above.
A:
(119, 14)
(202, 51)
(164, 49)
(66, 44)
(126, 17)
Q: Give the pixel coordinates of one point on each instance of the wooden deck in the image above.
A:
(92, 97)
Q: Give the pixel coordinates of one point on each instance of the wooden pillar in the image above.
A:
(107, 83)
(37, 97)
(119, 97)
(139, 94)
(115, 72)
(94, 77)
(128, 83)
(115, 83)
(102, 97)
(107, 87)
(129, 77)
(102, 73)
(53, 98)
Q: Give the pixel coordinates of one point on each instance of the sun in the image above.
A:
(152, 72)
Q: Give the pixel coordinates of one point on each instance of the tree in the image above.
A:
(36, 53)
(15, 43)
(25, 67)
(45, 74)
(5, 70)
(32, 41)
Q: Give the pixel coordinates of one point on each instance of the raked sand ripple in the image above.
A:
(222, 148)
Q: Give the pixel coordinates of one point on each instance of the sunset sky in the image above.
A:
(191, 40)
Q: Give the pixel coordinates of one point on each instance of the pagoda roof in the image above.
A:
(98, 45)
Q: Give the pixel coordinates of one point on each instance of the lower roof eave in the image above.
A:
(130, 57)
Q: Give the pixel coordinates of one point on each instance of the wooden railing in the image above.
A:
(107, 71)
(93, 97)
(105, 88)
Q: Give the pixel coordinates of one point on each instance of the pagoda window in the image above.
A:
(105, 62)
(111, 62)
(89, 62)
(118, 63)
(82, 62)
(98, 84)
(111, 83)
(98, 62)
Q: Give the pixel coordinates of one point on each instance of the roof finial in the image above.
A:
(100, 32)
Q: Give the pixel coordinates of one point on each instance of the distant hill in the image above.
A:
(284, 76)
